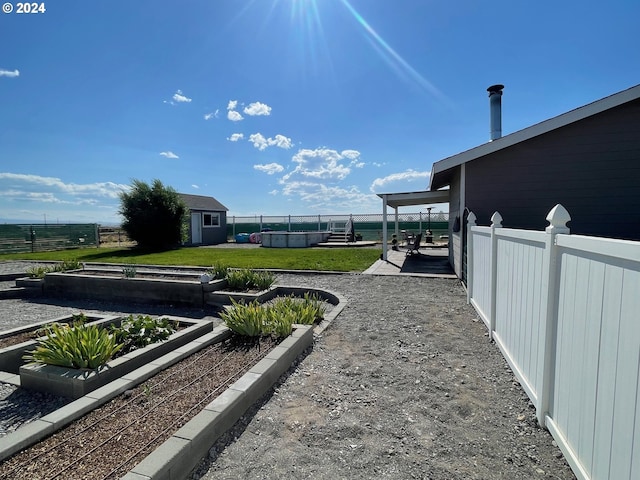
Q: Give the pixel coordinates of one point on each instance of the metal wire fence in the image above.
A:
(41, 237)
(369, 226)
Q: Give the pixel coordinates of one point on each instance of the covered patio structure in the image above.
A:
(406, 199)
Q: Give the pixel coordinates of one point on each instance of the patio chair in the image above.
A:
(414, 246)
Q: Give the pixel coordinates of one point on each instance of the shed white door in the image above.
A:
(196, 228)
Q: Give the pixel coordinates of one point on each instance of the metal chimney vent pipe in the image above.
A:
(495, 106)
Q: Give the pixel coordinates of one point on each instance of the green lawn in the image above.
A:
(325, 259)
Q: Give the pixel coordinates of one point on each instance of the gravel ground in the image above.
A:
(403, 384)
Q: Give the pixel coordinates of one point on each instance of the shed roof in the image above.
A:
(441, 171)
(201, 202)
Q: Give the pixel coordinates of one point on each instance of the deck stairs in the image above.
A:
(339, 231)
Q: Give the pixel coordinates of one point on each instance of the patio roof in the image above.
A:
(405, 199)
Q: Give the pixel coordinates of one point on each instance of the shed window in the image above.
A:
(210, 219)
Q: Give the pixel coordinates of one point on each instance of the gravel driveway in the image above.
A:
(403, 384)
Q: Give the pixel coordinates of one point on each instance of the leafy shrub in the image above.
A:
(141, 331)
(77, 346)
(39, 271)
(245, 279)
(154, 215)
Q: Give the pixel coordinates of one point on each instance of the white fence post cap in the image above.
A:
(496, 220)
(558, 218)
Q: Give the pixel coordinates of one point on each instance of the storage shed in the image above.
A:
(208, 220)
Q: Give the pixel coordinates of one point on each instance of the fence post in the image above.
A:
(557, 218)
(496, 222)
(471, 222)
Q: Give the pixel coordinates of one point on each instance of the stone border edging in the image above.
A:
(177, 456)
(182, 452)
(37, 430)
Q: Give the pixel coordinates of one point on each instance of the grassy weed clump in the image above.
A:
(76, 346)
(218, 271)
(39, 271)
(308, 309)
(246, 279)
(276, 319)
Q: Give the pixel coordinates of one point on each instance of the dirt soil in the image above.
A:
(404, 384)
(109, 441)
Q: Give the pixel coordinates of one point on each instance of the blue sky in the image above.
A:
(281, 107)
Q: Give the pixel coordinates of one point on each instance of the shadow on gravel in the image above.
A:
(131, 308)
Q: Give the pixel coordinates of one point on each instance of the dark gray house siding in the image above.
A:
(591, 167)
(587, 159)
(207, 220)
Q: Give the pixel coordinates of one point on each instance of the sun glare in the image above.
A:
(398, 64)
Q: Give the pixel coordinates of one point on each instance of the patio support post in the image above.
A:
(289, 224)
(385, 235)
(396, 231)
(557, 218)
(496, 222)
(471, 222)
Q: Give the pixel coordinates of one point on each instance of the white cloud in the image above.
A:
(351, 154)
(232, 104)
(234, 116)
(180, 97)
(257, 108)
(400, 178)
(9, 73)
(235, 137)
(169, 154)
(273, 192)
(331, 198)
(281, 141)
(209, 116)
(195, 186)
(261, 143)
(270, 168)
(24, 182)
(258, 141)
(321, 163)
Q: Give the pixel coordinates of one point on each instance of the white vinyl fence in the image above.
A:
(565, 312)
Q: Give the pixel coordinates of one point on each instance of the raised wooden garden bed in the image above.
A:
(75, 383)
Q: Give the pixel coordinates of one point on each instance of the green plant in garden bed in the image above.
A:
(218, 271)
(39, 271)
(275, 319)
(308, 309)
(129, 271)
(141, 331)
(245, 279)
(77, 346)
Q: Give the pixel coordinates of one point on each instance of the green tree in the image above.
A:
(154, 215)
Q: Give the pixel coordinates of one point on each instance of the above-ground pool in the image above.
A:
(293, 239)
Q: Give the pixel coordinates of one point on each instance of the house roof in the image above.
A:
(396, 200)
(201, 202)
(441, 171)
